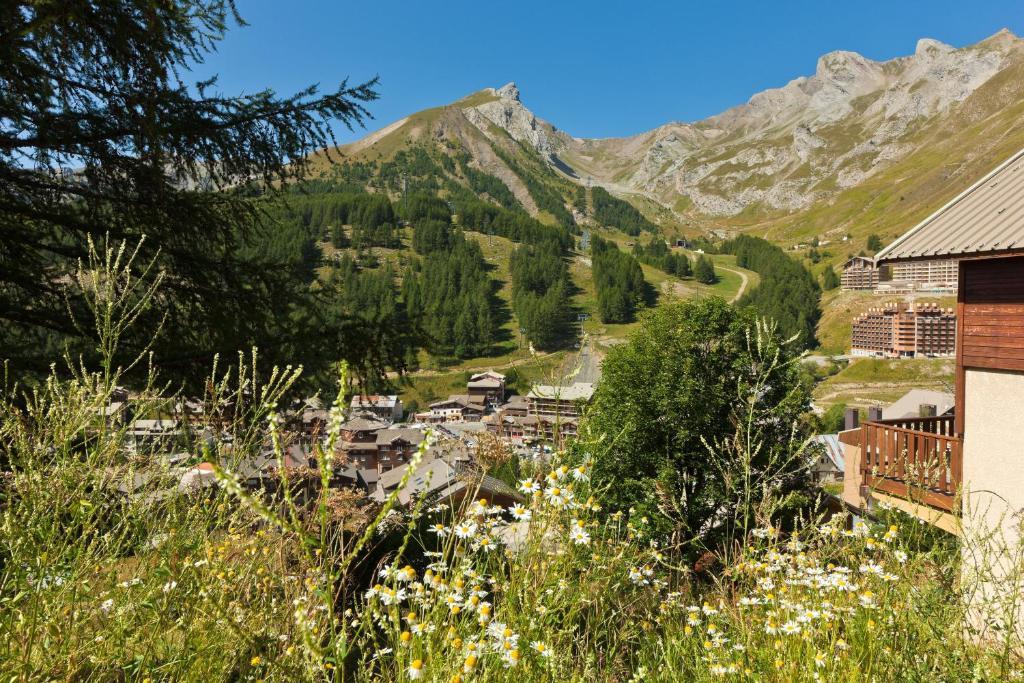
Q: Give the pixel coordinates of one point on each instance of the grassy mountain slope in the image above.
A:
(860, 148)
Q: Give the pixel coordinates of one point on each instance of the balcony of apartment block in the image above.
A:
(912, 464)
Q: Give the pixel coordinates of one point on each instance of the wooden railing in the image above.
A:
(920, 459)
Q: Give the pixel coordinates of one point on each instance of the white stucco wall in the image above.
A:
(993, 497)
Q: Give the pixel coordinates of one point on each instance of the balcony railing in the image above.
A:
(920, 459)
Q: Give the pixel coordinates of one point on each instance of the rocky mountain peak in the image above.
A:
(843, 65)
(929, 47)
(509, 91)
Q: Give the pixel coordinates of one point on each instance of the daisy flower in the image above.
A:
(791, 628)
(579, 536)
(465, 529)
(557, 495)
(511, 658)
(520, 512)
(529, 486)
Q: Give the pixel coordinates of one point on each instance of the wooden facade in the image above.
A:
(990, 308)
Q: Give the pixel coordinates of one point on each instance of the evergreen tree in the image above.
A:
(874, 243)
(579, 201)
(619, 280)
(102, 136)
(618, 213)
(540, 293)
(829, 279)
(704, 271)
(449, 294)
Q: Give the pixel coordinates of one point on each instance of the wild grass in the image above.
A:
(105, 578)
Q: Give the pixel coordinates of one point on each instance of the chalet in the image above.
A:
(487, 388)
(456, 408)
(964, 472)
(505, 426)
(396, 446)
(359, 441)
(312, 423)
(151, 435)
(515, 406)
(827, 464)
(448, 478)
(388, 408)
(859, 272)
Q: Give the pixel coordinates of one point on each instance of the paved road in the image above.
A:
(583, 366)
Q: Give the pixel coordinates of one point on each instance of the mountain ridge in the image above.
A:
(762, 165)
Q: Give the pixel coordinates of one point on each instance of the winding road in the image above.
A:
(743, 285)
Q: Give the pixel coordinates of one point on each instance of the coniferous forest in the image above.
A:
(788, 292)
(621, 288)
(656, 253)
(617, 213)
(540, 292)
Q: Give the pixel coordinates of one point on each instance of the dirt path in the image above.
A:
(743, 285)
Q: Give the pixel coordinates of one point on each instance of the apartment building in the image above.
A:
(859, 273)
(487, 388)
(552, 401)
(905, 330)
(938, 275)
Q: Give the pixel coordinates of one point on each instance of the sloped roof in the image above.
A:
(461, 400)
(859, 260)
(579, 391)
(909, 405)
(485, 383)
(409, 434)
(374, 400)
(830, 446)
(985, 219)
(439, 478)
(489, 374)
(363, 424)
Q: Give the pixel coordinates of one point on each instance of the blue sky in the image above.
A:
(593, 69)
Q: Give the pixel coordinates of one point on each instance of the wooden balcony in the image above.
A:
(919, 459)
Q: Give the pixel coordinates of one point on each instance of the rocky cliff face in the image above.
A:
(509, 114)
(787, 147)
(932, 115)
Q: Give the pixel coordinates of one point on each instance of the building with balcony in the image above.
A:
(932, 276)
(859, 272)
(487, 388)
(964, 472)
(559, 401)
(904, 330)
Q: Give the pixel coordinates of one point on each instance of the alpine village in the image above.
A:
(465, 397)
